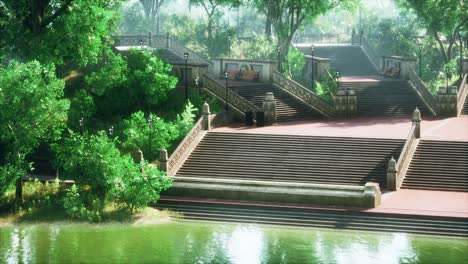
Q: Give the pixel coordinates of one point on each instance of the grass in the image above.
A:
(43, 203)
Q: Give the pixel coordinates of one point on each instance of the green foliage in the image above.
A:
(294, 63)
(259, 48)
(73, 204)
(326, 87)
(185, 120)
(33, 111)
(127, 84)
(133, 20)
(137, 134)
(82, 106)
(60, 30)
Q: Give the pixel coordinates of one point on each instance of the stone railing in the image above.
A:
(421, 88)
(303, 94)
(397, 169)
(158, 42)
(369, 50)
(462, 93)
(185, 147)
(265, 67)
(236, 101)
(368, 196)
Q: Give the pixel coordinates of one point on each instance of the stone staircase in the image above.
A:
(316, 218)
(439, 165)
(286, 158)
(349, 60)
(288, 108)
(385, 98)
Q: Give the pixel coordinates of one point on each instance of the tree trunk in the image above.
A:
(268, 28)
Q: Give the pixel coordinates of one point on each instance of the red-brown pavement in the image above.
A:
(405, 201)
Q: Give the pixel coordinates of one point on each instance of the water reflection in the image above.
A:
(219, 243)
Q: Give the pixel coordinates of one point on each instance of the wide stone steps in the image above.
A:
(347, 161)
(288, 108)
(439, 165)
(385, 98)
(333, 219)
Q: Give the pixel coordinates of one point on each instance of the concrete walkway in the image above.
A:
(451, 129)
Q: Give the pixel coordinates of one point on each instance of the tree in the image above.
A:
(443, 19)
(211, 8)
(288, 15)
(33, 111)
(152, 8)
(76, 30)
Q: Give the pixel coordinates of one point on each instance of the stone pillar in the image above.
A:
(269, 107)
(416, 118)
(392, 175)
(206, 116)
(162, 162)
(447, 101)
(372, 194)
(352, 103)
(138, 156)
(346, 103)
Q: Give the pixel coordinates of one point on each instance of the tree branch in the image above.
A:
(59, 12)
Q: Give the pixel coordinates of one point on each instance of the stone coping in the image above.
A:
(246, 60)
(401, 58)
(317, 58)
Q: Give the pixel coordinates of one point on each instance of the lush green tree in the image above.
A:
(133, 21)
(294, 63)
(57, 30)
(259, 48)
(443, 20)
(125, 84)
(288, 15)
(152, 9)
(33, 111)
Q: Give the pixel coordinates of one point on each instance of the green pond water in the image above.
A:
(191, 242)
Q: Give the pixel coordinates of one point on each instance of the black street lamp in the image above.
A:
(460, 38)
(226, 77)
(420, 59)
(312, 66)
(229, 46)
(150, 122)
(141, 43)
(279, 59)
(446, 77)
(81, 125)
(186, 74)
(197, 83)
(111, 131)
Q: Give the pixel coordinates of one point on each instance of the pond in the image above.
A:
(198, 242)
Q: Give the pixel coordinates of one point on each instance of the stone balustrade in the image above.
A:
(406, 65)
(265, 67)
(316, 66)
(345, 103)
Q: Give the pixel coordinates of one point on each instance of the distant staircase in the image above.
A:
(439, 165)
(287, 158)
(385, 98)
(288, 108)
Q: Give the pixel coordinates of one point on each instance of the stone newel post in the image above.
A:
(416, 118)
(392, 175)
(447, 101)
(206, 116)
(269, 107)
(162, 162)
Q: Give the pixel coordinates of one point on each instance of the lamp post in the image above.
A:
(81, 125)
(312, 66)
(296, 38)
(141, 43)
(150, 122)
(226, 78)
(229, 46)
(279, 59)
(111, 131)
(446, 77)
(420, 59)
(186, 74)
(197, 83)
(460, 38)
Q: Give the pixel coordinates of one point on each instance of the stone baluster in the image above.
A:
(269, 107)
(206, 116)
(416, 118)
(162, 162)
(392, 175)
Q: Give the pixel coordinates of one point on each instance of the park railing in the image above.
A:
(184, 149)
(462, 93)
(303, 94)
(425, 94)
(235, 101)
